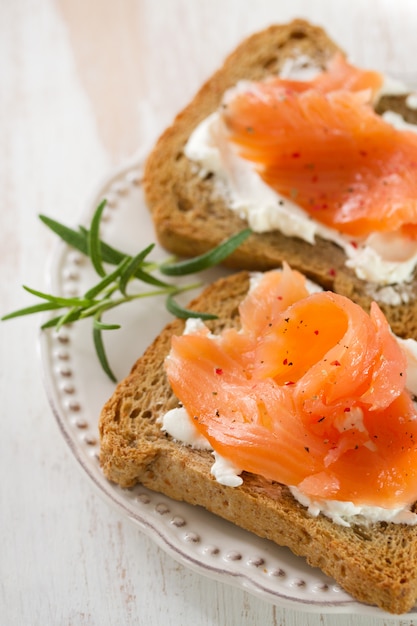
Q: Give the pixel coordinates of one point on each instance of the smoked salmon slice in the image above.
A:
(310, 392)
(338, 74)
(320, 144)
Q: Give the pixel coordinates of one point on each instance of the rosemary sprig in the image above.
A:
(111, 290)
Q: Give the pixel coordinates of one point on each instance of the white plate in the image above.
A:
(77, 389)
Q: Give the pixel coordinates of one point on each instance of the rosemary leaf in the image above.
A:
(208, 259)
(147, 278)
(179, 311)
(71, 316)
(68, 235)
(94, 248)
(108, 253)
(36, 308)
(103, 326)
(79, 241)
(59, 300)
(100, 350)
(106, 281)
(134, 264)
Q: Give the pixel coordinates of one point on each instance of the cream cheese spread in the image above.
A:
(226, 472)
(382, 259)
(347, 513)
(179, 425)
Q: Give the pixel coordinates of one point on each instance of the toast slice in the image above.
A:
(191, 216)
(375, 564)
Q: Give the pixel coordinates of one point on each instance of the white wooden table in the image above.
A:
(83, 85)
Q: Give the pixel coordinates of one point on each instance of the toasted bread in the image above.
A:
(375, 564)
(191, 216)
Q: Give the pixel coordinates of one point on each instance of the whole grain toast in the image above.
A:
(375, 564)
(191, 216)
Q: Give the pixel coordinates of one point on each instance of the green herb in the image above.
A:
(111, 290)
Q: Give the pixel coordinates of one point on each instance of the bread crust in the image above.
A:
(375, 564)
(189, 214)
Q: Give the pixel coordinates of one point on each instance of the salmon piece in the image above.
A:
(238, 414)
(312, 394)
(381, 472)
(330, 153)
(273, 296)
(338, 74)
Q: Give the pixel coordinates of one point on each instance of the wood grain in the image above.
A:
(83, 86)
